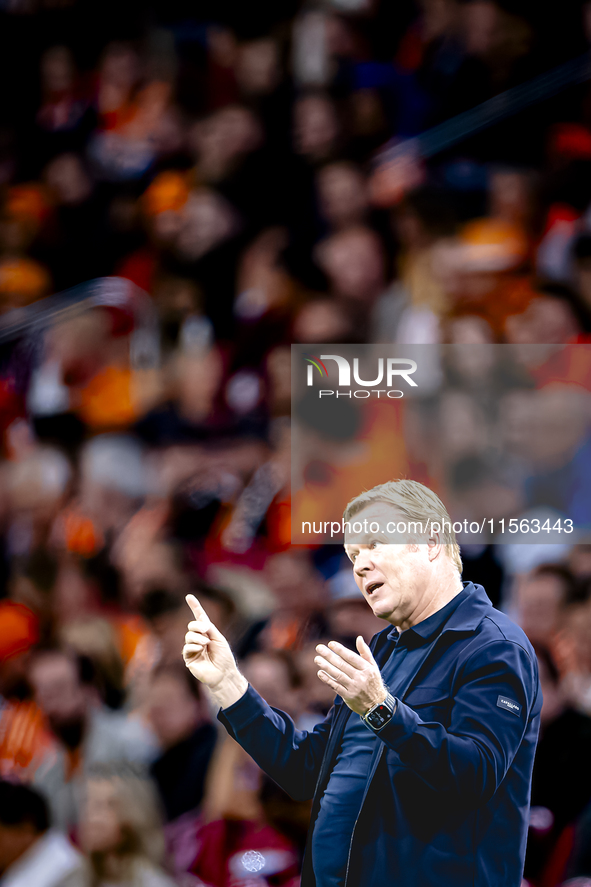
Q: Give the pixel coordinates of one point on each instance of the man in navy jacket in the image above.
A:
(421, 771)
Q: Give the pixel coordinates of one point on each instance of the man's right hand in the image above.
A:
(208, 657)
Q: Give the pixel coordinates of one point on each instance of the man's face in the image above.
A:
(393, 577)
(57, 688)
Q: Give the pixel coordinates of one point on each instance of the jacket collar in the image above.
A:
(472, 610)
(465, 618)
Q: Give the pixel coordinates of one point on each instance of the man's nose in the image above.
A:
(363, 563)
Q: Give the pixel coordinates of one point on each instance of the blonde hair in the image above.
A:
(414, 501)
(140, 819)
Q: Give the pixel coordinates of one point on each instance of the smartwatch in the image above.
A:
(379, 715)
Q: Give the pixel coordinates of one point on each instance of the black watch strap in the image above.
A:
(378, 716)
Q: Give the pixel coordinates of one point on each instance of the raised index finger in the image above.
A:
(198, 611)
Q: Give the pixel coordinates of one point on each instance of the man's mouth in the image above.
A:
(373, 586)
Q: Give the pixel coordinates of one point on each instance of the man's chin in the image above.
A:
(380, 612)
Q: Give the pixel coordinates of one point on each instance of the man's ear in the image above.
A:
(434, 546)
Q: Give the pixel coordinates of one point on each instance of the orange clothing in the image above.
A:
(130, 630)
(24, 739)
(107, 401)
(19, 629)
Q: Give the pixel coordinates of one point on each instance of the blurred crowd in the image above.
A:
(225, 172)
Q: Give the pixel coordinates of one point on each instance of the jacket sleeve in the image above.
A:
(494, 695)
(291, 757)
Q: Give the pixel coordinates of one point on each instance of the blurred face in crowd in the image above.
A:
(57, 70)
(223, 137)
(257, 67)
(462, 424)
(516, 411)
(315, 127)
(270, 677)
(481, 25)
(58, 690)
(473, 364)
(322, 321)
(354, 262)
(471, 330)
(174, 712)
(439, 17)
(545, 320)
(342, 192)
(394, 578)
(176, 298)
(540, 600)
(489, 498)
(120, 66)
(293, 580)
(100, 824)
(493, 34)
(545, 426)
(410, 229)
(366, 116)
(15, 235)
(558, 425)
(35, 485)
(146, 563)
(170, 629)
(206, 222)
(199, 380)
(510, 196)
(68, 179)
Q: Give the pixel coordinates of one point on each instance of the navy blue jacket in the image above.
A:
(447, 798)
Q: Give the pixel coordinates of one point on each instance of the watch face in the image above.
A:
(379, 716)
(382, 713)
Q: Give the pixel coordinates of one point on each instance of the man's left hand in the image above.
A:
(356, 678)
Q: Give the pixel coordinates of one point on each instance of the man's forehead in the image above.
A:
(372, 519)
